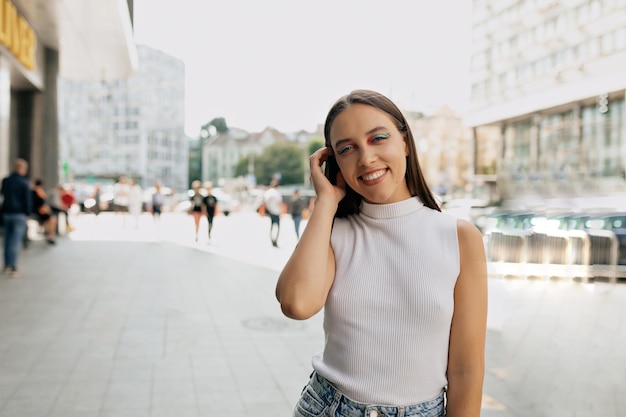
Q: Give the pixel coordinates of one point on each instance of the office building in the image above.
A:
(131, 127)
(547, 104)
(40, 41)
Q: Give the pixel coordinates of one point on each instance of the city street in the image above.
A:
(118, 321)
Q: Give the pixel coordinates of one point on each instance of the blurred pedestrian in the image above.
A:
(296, 207)
(121, 189)
(135, 201)
(16, 208)
(210, 204)
(68, 199)
(157, 202)
(273, 202)
(46, 217)
(60, 202)
(55, 203)
(195, 208)
(97, 200)
(402, 285)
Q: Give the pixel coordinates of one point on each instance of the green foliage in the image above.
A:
(241, 169)
(195, 160)
(314, 144)
(219, 125)
(286, 159)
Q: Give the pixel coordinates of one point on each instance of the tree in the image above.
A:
(284, 159)
(195, 160)
(241, 169)
(315, 144)
(196, 146)
(218, 125)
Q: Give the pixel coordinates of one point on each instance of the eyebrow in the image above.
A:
(369, 132)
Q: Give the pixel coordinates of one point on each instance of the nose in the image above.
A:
(366, 156)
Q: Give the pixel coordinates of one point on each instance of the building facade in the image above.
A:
(222, 152)
(131, 127)
(547, 103)
(444, 148)
(41, 40)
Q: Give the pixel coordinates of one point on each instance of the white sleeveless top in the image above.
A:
(388, 314)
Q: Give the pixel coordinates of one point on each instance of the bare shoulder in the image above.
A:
(467, 231)
(470, 240)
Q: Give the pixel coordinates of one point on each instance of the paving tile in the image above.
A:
(124, 395)
(176, 411)
(130, 412)
(29, 406)
(172, 394)
(80, 397)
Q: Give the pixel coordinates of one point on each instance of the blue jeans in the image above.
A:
(14, 231)
(320, 399)
(296, 222)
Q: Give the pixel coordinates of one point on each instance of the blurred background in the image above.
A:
(517, 106)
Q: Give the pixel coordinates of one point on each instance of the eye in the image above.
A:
(380, 137)
(343, 149)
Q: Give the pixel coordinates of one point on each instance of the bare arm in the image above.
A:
(305, 280)
(466, 360)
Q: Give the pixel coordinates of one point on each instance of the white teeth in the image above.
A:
(373, 175)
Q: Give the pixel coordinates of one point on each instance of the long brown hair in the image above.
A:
(414, 177)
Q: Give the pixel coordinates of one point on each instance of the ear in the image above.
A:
(406, 147)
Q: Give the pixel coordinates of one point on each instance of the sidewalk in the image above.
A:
(117, 322)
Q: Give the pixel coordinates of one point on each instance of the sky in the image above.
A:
(283, 63)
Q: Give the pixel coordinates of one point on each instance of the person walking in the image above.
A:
(210, 205)
(135, 194)
(97, 200)
(16, 207)
(403, 286)
(196, 205)
(273, 202)
(121, 191)
(296, 207)
(157, 202)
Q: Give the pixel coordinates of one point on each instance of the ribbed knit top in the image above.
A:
(388, 313)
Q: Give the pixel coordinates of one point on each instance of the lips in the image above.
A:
(373, 176)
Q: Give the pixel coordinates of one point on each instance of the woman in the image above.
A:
(196, 205)
(403, 286)
(296, 207)
(135, 203)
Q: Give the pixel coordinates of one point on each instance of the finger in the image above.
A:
(318, 157)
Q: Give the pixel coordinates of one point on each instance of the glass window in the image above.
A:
(521, 143)
(608, 44)
(620, 38)
(583, 13)
(596, 8)
(594, 47)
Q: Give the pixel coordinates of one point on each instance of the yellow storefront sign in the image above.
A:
(17, 35)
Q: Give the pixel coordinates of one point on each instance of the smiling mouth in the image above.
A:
(374, 175)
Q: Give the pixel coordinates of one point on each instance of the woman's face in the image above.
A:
(371, 154)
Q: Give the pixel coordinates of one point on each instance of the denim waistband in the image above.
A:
(344, 406)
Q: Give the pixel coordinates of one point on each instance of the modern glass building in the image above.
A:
(130, 127)
(40, 41)
(548, 82)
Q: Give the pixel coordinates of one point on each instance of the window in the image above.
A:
(608, 44)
